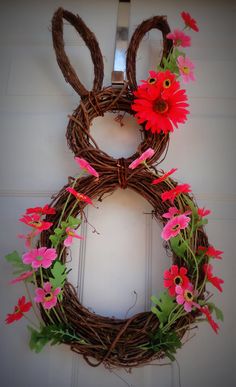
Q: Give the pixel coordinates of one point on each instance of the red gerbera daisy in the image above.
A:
(171, 194)
(214, 325)
(36, 222)
(19, 310)
(41, 210)
(162, 107)
(215, 281)
(189, 21)
(79, 196)
(164, 176)
(174, 277)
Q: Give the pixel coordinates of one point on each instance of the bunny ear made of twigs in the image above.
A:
(158, 22)
(63, 60)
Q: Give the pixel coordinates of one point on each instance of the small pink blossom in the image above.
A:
(70, 235)
(174, 225)
(171, 213)
(86, 166)
(179, 38)
(186, 68)
(185, 297)
(28, 237)
(47, 296)
(40, 257)
(144, 156)
(22, 277)
(203, 212)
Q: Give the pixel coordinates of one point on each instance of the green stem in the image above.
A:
(30, 321)
(177, 315)
(195, 260)
(30, 298)
(56, 314)
(41, 275)
(62, 250)
(48, 314)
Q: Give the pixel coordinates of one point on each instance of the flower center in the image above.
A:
(17, 309)
(166, 83)
(48, 296)
(186, 70)
(178, 280)
(39, 258)
(152, 81)
(188, 295)
(36, 224)
(160, 106)
(176, 227)
(70, 233)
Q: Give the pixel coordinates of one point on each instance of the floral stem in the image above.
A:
(30, 298)
(48, 314)
(57, 316)
(61, 252)
(41, 275)
(176, 316)
(30, 321)
(195, 260)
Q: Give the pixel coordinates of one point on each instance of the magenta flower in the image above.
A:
(29, 238)
(86, 166)
(186, 68)
(70, 235)
(47, 296)
(171, 213)
(144, 156)
(22, 277)
(179, 38)
(40, 257)
(174, 225)
(185, 297)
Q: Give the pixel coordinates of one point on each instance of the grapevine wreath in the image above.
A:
(159, 104)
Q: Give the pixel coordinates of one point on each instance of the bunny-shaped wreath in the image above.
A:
(145, 336)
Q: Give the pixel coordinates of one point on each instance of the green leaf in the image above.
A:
(218, 312)
(59, 275)
(164, 305)
(74, 222)
(167, 342)
(178, 246)
(58, 231)
(15, 259)
(54, 239)
(37, 340)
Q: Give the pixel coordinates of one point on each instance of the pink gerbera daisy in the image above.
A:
(47, 296)
(174, 226)
(179, 38)
(185, 296)
(144, 156)
(174, 277)
(22, 277)
(86, 166)
(41, 257)
(70, 235)
(186, 68)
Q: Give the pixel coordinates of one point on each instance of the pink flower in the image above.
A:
(179, 38)
(203, 212)
(174, 225)
(40, 257)
(186, 68)
(214, 325)
(171, 213)
(22, 277)
(164, 176)
(144, 156)
(28, 238)
(185, 297)
(46, 210)
(47, 296)
(70, 235)
(171, 195)
(189, 21)
(79, 196)
(215, 281)
(86, 166)
(174, 277)
(36, 222)
(211, 252)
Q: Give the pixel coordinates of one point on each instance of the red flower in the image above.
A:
(21, 308)
(211, 252)
(214, 325)
(36, 222)
(203, 212)
(189, 21)
(46, 210)
(215, 281)
(161, 106)
(171, 195)
(79, 196)
(163, 80)
(164, 176)
(22, 277)
(174, 277)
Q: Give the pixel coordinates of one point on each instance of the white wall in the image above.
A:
(35, 162)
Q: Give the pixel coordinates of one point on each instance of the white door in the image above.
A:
(122, 265)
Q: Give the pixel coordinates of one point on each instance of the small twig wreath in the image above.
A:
(158, 104)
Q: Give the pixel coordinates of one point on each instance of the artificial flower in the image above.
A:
(185, 296)
(46, 210)
(19, 310)
(214, 325)
(189, 21)
(179, 38)
(211, 252)
(47, 296)
(186, 68)
(215, 281)
(41, 257)
(144, 156)
(79, 196)
(29, 237)
(22, 277)
(70, 235)
(174, 277)
(36, 222)
(172, 211)
(164, 176)
(86, 166)
(173, 193)
(161, 108)
(162, 80)
(174, 226)
(203, 212)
